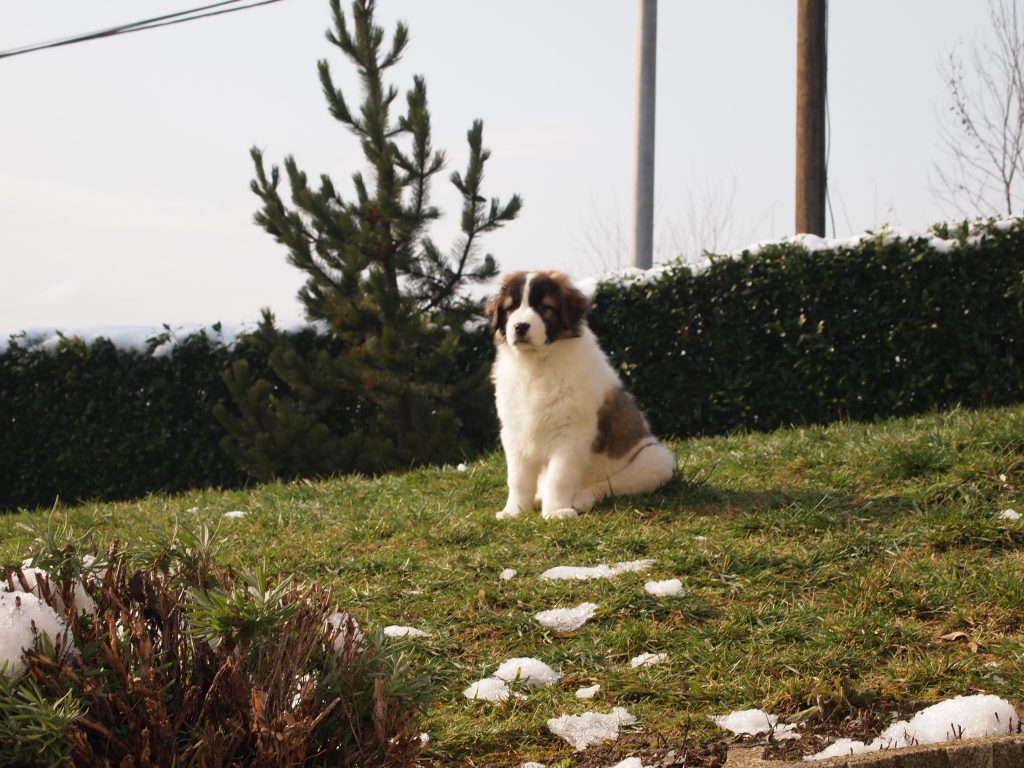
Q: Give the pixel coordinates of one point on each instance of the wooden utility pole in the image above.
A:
(811, 66)
(643, 191)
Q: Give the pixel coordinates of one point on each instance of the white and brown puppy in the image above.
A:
(571, 433)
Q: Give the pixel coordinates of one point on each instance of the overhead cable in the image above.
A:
(202, 12)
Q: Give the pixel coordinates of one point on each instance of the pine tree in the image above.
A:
(393, 301)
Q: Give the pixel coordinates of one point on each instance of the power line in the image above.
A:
(138, 26)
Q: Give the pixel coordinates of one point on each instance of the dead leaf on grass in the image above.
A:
(953, 637)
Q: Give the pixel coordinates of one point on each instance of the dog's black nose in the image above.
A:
(522, 329)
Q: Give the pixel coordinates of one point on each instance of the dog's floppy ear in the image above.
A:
(574, 305)
(491, 310)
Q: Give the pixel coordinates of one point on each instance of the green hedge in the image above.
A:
(883, 327)
(93, 421)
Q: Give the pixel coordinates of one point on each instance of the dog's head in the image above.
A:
(536, 308)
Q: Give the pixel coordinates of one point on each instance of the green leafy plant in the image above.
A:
(33, 729)
(390, 393)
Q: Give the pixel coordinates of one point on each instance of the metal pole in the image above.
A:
(811, 67)
(643, 198)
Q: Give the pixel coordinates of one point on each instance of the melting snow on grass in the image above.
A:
(23, 616)
(397, 631)
(588, 693)
(602, 571)
(962, 717)
(527, 671)
(234, 514)
(1009, 514)
(590, 728)
(567, 619)
(648, 659)
(751, 722)
(488, 689)
(667, 588)
(508, 574)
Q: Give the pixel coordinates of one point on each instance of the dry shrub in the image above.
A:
(205, 667)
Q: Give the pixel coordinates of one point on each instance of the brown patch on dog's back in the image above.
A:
(620, 424)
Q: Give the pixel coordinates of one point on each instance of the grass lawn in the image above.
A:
(821, 567)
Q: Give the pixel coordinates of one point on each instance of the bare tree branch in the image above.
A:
(983, 131)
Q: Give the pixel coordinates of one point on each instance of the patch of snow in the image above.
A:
(84, 603)
(624, 276)
(962, 717)
(348, 629)
(840, 747)
(667, 588)
(567, 619)
(966, 717)
(23, 616)
(488, 689)
(590, 728)
(533, 765)
(602, 571)
(629, 762)
(648, 659)
(751, 722)
(508, 574)
(588, 693)
(135, 338)
(886, 235)
(234, 514)
(398, 631)
(1009, 514)
(527, 671)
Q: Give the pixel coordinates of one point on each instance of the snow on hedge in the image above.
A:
(811, 243)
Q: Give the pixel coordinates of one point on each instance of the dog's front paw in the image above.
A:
(559, 514)
(584, 500)
(508, 513)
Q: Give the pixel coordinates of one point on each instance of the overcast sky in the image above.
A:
(125, 169)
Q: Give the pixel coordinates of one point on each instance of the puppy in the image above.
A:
(572, 435)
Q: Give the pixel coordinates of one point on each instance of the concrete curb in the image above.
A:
(993, 752)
